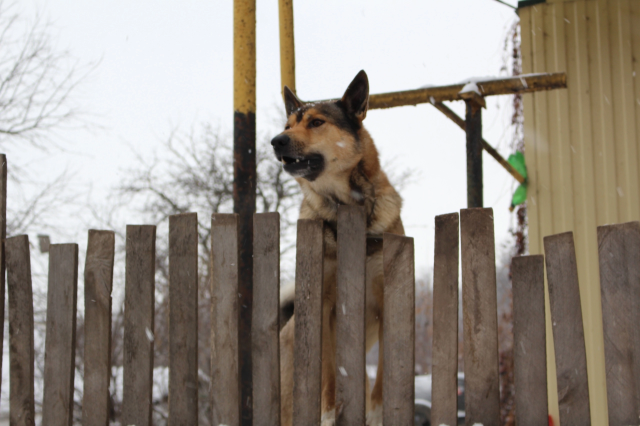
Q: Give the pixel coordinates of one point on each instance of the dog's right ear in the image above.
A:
(291, 101)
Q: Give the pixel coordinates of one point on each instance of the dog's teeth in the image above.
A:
(297, 160)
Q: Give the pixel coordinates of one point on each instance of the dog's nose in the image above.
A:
(280, 141)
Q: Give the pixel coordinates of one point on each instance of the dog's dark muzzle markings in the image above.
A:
(307, 166)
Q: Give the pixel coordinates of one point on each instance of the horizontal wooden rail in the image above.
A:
(506, 86)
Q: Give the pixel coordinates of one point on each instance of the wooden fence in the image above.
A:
(471, 232)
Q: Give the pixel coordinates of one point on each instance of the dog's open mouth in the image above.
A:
(308, 167)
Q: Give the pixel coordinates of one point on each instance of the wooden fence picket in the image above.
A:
(307, 361)
(98, 282)
(619, 253)
(139, 310)
(21, 403)
(224, 319)
(529, 340)
(266, 319)
(568, 331)
(398, 346)
(350, 316)
(183, 319)
(60, 343)
(480, 317)
(444, 395)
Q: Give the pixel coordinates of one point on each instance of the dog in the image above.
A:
(325, 147)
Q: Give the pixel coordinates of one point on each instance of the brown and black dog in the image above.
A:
(332, 156)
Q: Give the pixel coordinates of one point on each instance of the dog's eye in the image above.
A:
(317, 123)
(287, 127)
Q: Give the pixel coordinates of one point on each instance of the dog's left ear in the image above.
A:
(291, 101)
(356, 97)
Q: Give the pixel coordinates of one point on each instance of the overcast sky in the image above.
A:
(163, 64)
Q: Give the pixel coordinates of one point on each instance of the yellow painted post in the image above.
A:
(287, 46)
(244, 184)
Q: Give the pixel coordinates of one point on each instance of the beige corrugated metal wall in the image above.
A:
(582, 146)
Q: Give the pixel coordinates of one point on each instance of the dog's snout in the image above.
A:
(280, 141)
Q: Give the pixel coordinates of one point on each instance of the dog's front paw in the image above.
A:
(329, 418)
(374, 417)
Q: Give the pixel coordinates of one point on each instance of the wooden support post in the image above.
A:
(60, 343)
(266, 319)
(21, 404)
(350, 316)
(399, 341)
(244, 180)
(224, 319)
(445, 321)
(529, 340)
(568, 331)
(474, 153)
(480, 317)
(287, 46)
(139, 310)
(307, 362)
(3, 237)
(487, 147)
(183, 319)
(98, 282)
(619, 253)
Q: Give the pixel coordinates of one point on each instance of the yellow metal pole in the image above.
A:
(244, 185)
(287, 46)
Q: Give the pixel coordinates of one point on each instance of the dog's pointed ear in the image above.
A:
(356, 97)
(291, 101)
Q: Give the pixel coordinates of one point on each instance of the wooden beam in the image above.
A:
(506, 86)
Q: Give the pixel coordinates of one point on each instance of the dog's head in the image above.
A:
(323, 138)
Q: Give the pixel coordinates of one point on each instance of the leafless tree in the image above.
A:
(36, 81)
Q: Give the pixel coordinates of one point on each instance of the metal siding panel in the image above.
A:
(545, 206)
(535, 239)
(559, 132)
(624, 125)
(602, 113)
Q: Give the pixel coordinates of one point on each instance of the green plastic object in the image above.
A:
(520, 196)
(517, 161)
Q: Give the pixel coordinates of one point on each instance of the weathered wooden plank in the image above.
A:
(183, 319)
(619, 252)
(444, 395)
(60, 344)
(224, 319)
(3, 237)
(21, 403)
(307, 362)
(529, 340)
(399, 330)
(139, 310)
(350, 316)
(480, 317)
(98, 282)
(266, 319)
(568, 332)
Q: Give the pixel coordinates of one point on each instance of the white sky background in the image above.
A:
(164, 64)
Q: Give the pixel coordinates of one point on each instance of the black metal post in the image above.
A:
(473, 129)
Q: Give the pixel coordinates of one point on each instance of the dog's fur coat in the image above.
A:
(333, 158)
